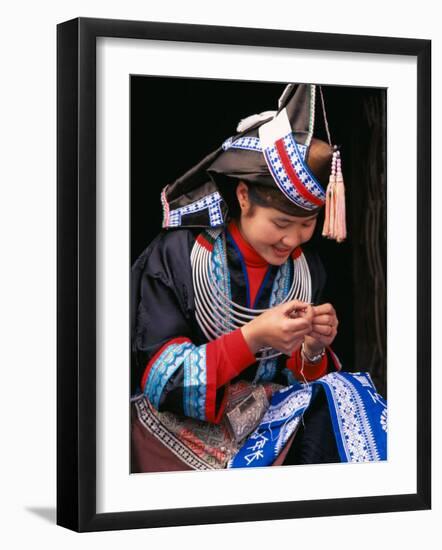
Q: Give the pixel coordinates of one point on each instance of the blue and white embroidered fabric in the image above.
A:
(222, 276)
(253, 144)
(297, 163)
(359, 416)
(246, 143)
(195, 383)
(281, 284)
(358, 413)
(163, 368)
(211, 203)
(279, 422)
(193, 360)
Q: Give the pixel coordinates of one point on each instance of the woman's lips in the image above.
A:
(281, 252)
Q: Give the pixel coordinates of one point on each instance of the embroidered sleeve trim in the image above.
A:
(195, 383)
(163, 368)
(157, 355)
(200, 365)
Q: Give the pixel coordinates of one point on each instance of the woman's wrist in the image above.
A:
(312, 354)
(312, 346)
(251, 336)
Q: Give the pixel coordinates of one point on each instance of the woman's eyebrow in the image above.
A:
(288, 220)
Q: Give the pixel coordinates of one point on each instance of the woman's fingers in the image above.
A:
(329, 320)
(323, 330)
(296, 328)
(324, 324)
(322, 309)
(293, 306)
(326, 339)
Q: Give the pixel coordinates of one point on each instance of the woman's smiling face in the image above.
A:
(272, 233)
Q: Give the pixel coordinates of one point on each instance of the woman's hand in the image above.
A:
(324, 329)
(282, 327)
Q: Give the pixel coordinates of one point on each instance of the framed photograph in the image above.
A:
(243, 274)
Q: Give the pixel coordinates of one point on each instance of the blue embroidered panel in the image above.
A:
(163, 368)
(358, 412)
(253, 144)
(247, 143)
(281, 284)
(359, 416)
(211, 202)
(298, 164)
(193, 360)
(222, 277)
(275, 429)
(195, 383)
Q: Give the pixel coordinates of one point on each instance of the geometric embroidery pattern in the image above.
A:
(356, 434)
(222, 277)
(278, 424)
(247, 143)
(163, 368)
(384, 421)
(211, 202)
(358, 414)
(195, 383)
(253, 144)
(158, 430)
(281, 284)
(291, 174)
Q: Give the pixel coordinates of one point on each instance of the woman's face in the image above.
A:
(273, 234)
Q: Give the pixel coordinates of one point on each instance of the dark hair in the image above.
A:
(259, 195)
(267, 197)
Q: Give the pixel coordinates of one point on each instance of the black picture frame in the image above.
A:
(76, 273)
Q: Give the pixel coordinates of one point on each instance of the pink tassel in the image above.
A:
(329, 199)
(326, 227)
(334, 221)
(340, 230)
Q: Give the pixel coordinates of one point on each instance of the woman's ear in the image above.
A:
(242, 194)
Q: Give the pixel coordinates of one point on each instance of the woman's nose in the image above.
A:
(291, 240)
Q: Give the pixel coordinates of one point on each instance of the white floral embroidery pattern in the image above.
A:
(357, 437)
(285, 409)
(384, 420)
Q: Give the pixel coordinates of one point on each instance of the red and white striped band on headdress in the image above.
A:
(286, 162)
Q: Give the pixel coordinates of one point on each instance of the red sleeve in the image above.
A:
(229, 355)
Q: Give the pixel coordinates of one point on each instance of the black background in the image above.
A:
(175, 122)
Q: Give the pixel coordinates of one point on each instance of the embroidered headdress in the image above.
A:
(275, 149)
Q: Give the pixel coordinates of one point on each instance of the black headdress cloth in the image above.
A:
(274, 149)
